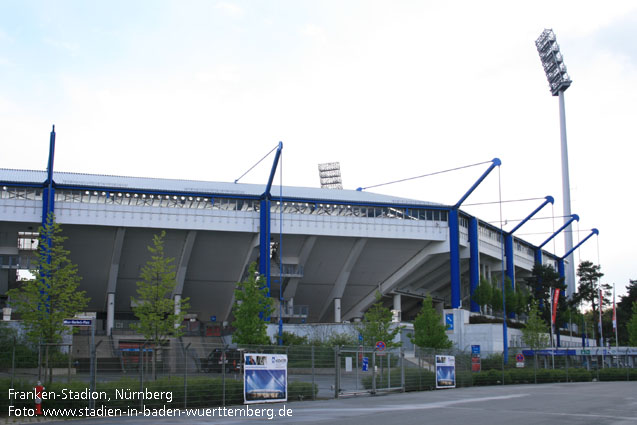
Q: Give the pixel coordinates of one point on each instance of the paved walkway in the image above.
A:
(575, 403)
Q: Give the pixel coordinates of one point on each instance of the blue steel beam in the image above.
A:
(574, 217)
(454, 238)
(495, 163)
(549, 200)
(593, 232)
(454, 257)
(508, 241)
(561, 271)
(474, 261)
(48, 195)
(273, 171)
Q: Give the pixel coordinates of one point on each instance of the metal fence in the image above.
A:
(197, 373)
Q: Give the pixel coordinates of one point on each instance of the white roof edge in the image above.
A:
(196, 186)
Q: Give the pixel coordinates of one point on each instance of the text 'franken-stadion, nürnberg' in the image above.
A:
(67, 394)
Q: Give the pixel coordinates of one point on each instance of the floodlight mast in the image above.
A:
(330, 175)
(559, 81)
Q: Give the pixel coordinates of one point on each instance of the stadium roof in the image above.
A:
(124, 183)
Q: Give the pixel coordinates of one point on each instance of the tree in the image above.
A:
(544, 278)
(535, 333)
(482, 294)
(624, 310)
(52, 295)
(496, 296)
(589, 275)
(377, 325)
(160, 318)
(429, 330)
(631, 327)
(252, 307)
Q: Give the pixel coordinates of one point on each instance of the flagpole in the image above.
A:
(601, 331)
(551, 313)
(615, 322)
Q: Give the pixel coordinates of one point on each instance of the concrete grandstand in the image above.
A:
(326, 252)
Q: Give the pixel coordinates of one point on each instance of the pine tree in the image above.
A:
(543, 279)
(632, 327)
(252, 307)
(624, 310)
(589, 275)
(429, 330)
(377, 325)
(52, 295)
(160, 318)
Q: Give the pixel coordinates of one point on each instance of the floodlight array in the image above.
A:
(553, 62)
(330, 175)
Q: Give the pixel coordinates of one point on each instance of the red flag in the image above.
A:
(556, 298)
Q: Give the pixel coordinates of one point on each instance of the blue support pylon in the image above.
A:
(48, 194)
(508, 244)
(474, 262)
(454, 237)
(265, 220)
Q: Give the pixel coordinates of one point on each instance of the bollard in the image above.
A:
(38, 398)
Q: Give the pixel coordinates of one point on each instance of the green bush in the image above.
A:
(579, 375)
(616, 374)
(416, 379)
(464, 378)
(299, 390)
(490, 377)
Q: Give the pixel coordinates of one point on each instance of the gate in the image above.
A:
(366, 370)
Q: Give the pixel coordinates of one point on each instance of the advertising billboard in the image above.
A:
(445, 372)
(265, 378)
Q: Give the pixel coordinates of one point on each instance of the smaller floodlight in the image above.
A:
(553, 62)
(330, 175)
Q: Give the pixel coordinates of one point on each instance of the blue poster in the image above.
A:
(449, 321)
(365, 365)
(265, 379)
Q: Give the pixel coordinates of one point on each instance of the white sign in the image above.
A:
(348, 364)
(77, 322)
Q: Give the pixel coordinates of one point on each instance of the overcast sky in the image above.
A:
(391, 89)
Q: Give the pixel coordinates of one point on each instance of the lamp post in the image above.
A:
(559, 81)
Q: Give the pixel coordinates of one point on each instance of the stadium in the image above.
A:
(325, 252)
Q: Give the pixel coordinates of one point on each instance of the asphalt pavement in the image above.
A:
(598, 403)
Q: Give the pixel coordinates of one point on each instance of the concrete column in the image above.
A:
(398, 305)
(397, 302)
(110, 313)
(337, 310)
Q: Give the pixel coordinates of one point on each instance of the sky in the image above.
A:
(202, 90)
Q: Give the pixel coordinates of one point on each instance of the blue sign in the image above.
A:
(360, 337)
(213, 318)
(365, 364)
(77, 322)
(475, 349)
(449, 321)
